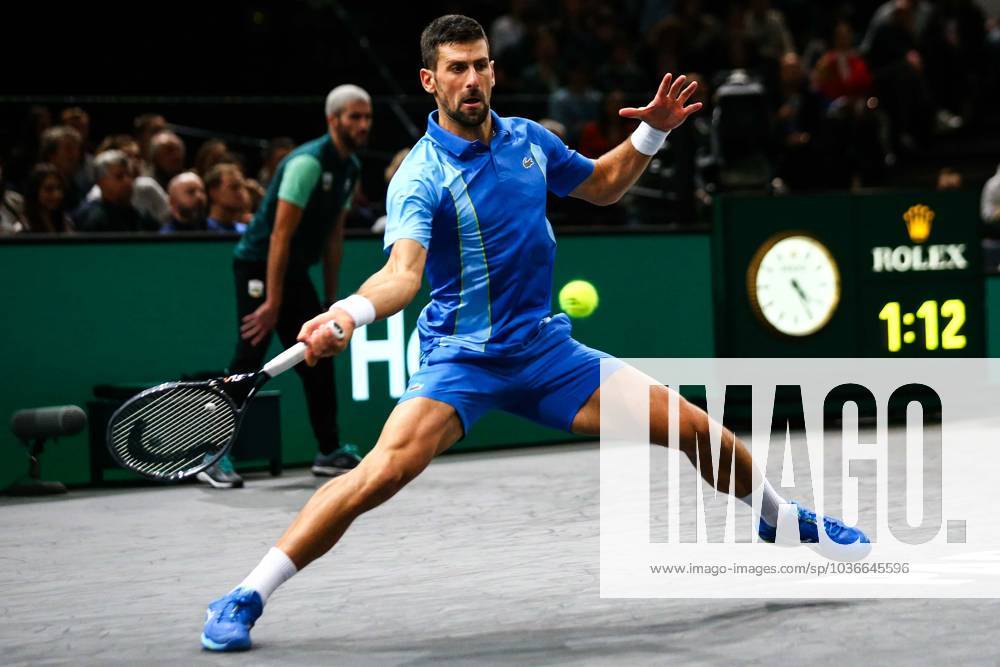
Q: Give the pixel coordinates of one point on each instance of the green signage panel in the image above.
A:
(78, 314)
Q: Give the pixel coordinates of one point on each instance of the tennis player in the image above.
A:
(467, 207)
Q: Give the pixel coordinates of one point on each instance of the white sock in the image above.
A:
(274, 569)
(770, 503)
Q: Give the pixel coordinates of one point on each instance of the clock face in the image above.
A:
(794, 284)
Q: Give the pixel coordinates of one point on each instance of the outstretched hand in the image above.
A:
(667, 109)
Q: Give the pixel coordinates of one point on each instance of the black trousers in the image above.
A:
(299, 304)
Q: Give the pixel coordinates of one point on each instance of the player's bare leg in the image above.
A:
(845, 543)
(693, 436)
(417, 430)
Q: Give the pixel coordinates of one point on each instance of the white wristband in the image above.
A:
(361, 310)
(648, 140)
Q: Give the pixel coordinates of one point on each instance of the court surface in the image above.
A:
(486, 558)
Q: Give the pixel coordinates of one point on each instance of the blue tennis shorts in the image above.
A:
(548, 381)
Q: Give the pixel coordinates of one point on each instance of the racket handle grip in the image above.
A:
(295, 354)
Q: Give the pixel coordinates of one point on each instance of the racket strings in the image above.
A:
(169, 431)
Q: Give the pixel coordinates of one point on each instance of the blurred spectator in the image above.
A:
(858, 141)
(378, 227)
(125, 143)
(509, 30)
(954, 47)
(45, 202)
(883, 16)
(210, 153)
(664, 44)
(603, 21)
(989, 203)
(114, 212)
(555, 127)
(651, 12)
(146, 126)
(577, 103)
(703, 47)
(228, 201)
(899, 74)
(188, 204)
(797, 126)
(543, 76)
(147, 195)
(578, 27)
(949, 179)
(24, 154)
(599, 136)
(621, 72)
(166, 156)
(255, 195)
(12, 218)
(766, 26)
(841, 72)
(275, 152)
(61, 146)
(741, 49)
(79, 120)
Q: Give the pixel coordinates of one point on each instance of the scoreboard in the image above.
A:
(875, 274)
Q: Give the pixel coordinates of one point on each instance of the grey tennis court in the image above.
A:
(487, 558)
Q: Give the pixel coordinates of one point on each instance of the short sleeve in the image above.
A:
(299, 180)
(410, 206)
(565, 169)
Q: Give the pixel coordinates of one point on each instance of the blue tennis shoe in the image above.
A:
(227, 626)
(844, 544)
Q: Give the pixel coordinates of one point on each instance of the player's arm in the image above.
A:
(618, 169)
(331, 258)
(257, 324)
(396, 284)
(389, 290)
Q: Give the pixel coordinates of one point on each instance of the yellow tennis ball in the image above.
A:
(578, 298)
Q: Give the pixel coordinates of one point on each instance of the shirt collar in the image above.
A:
(455, 144)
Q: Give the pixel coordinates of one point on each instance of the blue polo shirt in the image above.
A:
(479, 210)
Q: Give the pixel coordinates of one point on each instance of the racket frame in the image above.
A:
(287, 359)
(215, 387)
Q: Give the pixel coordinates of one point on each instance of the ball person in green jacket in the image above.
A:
(299, 223)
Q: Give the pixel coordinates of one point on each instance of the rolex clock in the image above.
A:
(793, 284)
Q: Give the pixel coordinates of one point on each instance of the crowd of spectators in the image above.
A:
(847, 91)
(139, 182)
(798, 96)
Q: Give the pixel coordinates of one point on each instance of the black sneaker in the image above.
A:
(337, 462)
(221, 475)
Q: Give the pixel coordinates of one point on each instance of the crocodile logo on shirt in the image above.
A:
(527, 162)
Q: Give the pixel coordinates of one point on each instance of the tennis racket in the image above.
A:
(177, 429)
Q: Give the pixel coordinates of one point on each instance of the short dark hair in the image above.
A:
(53, 137)
(448, 29)
(213, 178)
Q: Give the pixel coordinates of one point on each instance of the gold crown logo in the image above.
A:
(918, 222)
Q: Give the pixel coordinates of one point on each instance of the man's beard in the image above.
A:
(348, 141)
(190, 215)
(465, 119)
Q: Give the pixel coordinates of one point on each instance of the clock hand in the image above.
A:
(802, 296)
